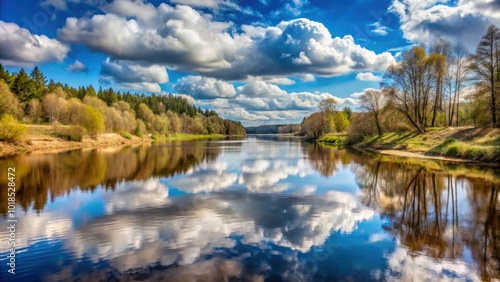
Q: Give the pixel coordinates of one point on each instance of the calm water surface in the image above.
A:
(255, 209)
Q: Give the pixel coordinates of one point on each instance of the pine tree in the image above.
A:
(51, 87)
(91, 91)
(23, 86)
(6, 76)
(39, 83)
(81, 92)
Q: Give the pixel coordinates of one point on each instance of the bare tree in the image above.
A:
(35, 110)
(438, 62)
(485, 63)
(440, 54)
(54, 106)
(459, 74)
(373, 101)
(409, 84)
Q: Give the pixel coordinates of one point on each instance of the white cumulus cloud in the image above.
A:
(189, 40)
(464, 20)
(368, 76)
(204, 87)
(77, 66)
(133, 75)
(18, 47)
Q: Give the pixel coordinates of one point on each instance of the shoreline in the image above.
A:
(466, 144)
(40, 143)
(408, 154)
(46, 144)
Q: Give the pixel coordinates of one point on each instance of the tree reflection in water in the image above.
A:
(439, 214)
(38, 176)
(434, 210)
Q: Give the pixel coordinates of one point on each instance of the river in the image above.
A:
(255, 209)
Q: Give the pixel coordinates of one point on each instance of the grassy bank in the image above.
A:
(186, 136)
(478, 144)
(334, 139)
(49, 139)
(159, 138)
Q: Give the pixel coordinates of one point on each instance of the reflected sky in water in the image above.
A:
(255, 209)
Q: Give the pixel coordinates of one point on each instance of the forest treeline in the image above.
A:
(439, 86)
(29, 98)
(273, 129)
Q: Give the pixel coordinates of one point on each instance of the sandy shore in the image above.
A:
(37, 143)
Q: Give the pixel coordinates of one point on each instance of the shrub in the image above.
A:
(71, 133)
(341, 121)
(453, 150)
(9, 104)
(474, 152)
(336, 140)
(140, 129)
(94, 121)
(125, 134)
(449, 141)
(156, 137)
(11, 129)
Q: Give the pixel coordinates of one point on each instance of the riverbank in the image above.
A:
(333, 139)
(40, 139)
(187, 136)
(456, 144)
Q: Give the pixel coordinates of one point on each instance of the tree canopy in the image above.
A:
(34, 100)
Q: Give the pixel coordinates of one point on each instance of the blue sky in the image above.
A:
(260, 61)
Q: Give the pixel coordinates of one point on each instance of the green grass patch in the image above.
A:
(126, 135)
(449, 141)
(469, 151)
(138, 133)
(187, 136)
(436, 128)
(333, 139)
(417, 145)
(70, 133)
(157, 138)
(371, 140)
(406, 140)
(484, 148)
(489, 142)
(452, 150)
(404, 137)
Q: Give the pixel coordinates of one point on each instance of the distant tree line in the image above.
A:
(273, 129)
(31, 99)
(327, 120)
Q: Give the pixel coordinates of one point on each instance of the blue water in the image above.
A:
(254, 209)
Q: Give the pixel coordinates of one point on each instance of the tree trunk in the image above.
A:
(415, 124)
(493, 103)
(377, 122)
(436, 102)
